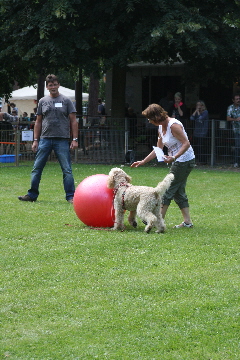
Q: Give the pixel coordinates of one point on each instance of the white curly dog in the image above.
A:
(144, 201)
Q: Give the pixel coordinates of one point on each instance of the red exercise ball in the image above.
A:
(93, 202)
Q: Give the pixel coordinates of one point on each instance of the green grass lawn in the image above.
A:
(71, 292)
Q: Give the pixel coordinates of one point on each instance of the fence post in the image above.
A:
(17, 146)
(212, 142)
(126, 135)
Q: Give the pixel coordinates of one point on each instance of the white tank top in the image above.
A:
(174, 144)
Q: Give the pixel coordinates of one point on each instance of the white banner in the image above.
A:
(27, 135)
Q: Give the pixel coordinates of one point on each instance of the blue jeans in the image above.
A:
(237, 148)
(61, 150)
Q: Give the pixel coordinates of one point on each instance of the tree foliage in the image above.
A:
(51, 35)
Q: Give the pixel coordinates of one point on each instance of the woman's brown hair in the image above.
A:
(155, 113)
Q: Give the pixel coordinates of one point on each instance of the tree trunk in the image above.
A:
(78, 98)
(93, 96)
(78, 93)
(40, 86)
(118, 92)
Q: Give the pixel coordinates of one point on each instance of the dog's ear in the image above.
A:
(128, 178)
(110, 181)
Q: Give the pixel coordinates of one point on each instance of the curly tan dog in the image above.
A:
(144, 201)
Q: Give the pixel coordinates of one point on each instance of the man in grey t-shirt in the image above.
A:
(56, 118)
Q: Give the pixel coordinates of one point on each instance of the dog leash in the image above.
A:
(123, 202)
(115, 190)
(123, 194)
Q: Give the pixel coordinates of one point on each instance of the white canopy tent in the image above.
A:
(25, 98)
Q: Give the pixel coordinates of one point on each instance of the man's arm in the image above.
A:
(229, 118)
(74, 130)
(37, 132)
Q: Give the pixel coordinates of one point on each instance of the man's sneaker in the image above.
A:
(70, 201)
(26, 198)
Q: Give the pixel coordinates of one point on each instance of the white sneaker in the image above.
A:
(183, 224)
(235, 165)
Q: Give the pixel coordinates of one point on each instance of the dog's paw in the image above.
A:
(160, 231)
(148, 229)
(134, 224)
(118, 227)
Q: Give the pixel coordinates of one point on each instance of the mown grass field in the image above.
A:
(71, 292)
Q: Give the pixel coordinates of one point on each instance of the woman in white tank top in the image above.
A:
(180, 155)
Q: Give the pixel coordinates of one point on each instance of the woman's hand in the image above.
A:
(177, 104)
(169, 159)
(137, 163)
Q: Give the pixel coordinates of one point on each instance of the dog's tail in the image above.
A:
(165, 184)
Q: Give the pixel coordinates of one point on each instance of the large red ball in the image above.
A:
(93, 202)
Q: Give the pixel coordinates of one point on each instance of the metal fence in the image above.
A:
(114, 141)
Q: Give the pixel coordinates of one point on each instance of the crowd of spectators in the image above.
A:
(197, 124)
(140, 131)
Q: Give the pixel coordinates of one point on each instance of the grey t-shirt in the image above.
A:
(55, 111)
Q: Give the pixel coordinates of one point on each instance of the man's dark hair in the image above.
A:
(51, 78)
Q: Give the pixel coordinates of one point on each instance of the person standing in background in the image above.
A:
(25, 118)
(233, 115)
(200, 133)
(9, 117)
(178, 110)
(101, 107)
(14, 108)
